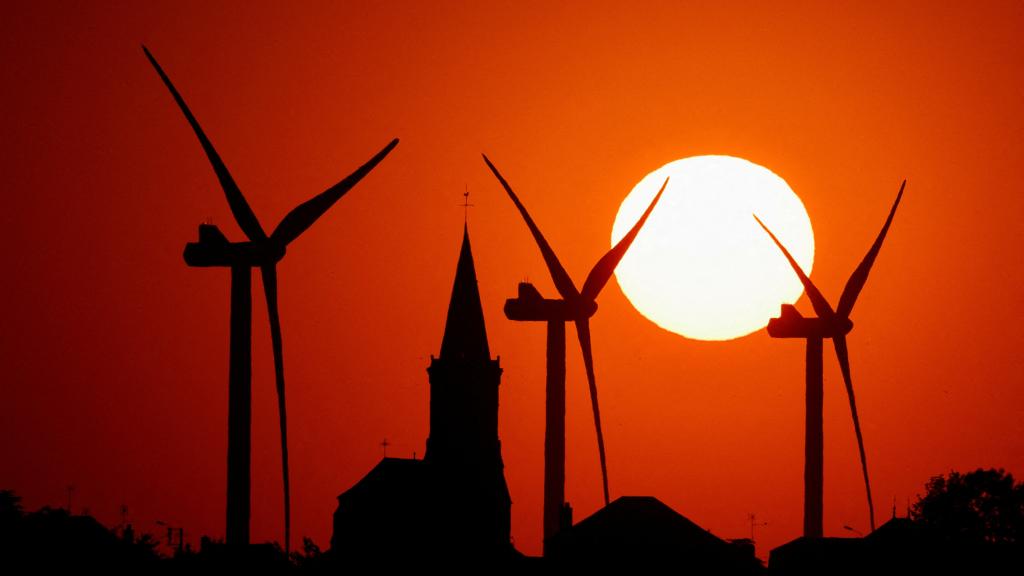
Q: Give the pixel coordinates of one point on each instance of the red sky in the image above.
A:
(115, 353)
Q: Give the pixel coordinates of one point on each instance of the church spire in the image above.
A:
(465, 337)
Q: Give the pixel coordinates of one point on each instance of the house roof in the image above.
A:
(644, 531)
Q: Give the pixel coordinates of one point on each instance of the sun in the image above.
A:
(702, 267)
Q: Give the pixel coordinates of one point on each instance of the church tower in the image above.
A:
(464, 381)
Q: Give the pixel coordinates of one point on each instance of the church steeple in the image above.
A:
(465, 336)
(464, 380)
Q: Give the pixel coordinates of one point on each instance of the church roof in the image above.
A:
(391, 477)
(465, 337)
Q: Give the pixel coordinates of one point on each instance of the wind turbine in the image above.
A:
(263, 252)
(833, 324)
(574, 306)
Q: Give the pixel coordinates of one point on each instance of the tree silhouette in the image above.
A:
(10, 506)
(983, 506)
(11, 515)
(310, 559)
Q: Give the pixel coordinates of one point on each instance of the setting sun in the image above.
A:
(702, 267)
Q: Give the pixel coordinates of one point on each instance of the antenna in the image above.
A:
(754, 524)
(385, 445)
(71, 491)
(170, 535)
(170, 531)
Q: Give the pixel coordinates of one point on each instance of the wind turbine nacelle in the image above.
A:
(792, 324)
(530, 306)
(214, 249)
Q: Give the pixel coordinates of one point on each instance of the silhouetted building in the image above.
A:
(643, 532)
(453, 504)
(806, 555)
(900, 546)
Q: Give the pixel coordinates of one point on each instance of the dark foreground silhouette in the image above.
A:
(964, 523)
(53, 538)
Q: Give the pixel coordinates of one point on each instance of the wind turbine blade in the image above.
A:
(856, 282)
(605, 267)
(563, 283)
(244, 215)
(844, 364)
(583, 331)
(269, 273)
(821, 306)
(304, 215)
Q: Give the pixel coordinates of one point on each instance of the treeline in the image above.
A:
(54, 538)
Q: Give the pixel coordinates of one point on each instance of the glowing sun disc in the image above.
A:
(702, 267)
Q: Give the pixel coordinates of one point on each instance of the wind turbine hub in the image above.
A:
(581, 309)
(844, 326)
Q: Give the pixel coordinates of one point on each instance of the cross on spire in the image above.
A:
(385, 445)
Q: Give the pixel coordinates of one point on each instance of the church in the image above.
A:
(453, 507)
(454, 504)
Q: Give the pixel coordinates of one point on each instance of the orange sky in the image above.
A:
(115, 353)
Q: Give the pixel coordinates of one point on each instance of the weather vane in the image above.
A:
(465, 204)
